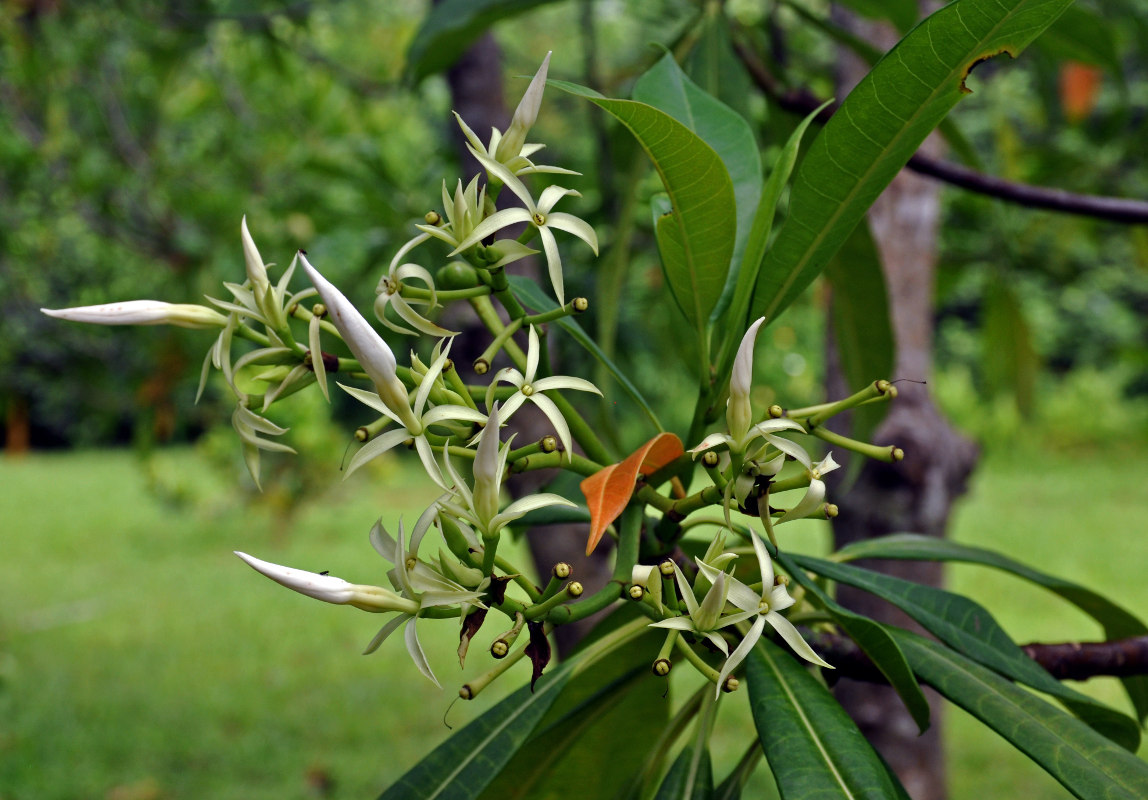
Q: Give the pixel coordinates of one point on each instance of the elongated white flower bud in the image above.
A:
(142, 312)
(374, 356)
(256, 270)
(330, 589)
(510, 145)
(739, 410)
(488, 470)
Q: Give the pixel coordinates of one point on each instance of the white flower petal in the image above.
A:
(794, 640)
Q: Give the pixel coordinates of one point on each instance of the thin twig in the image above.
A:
(1111, 209)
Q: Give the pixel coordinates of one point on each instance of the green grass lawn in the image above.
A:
(140, 659)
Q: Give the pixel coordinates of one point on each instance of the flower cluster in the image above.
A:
(455, 428)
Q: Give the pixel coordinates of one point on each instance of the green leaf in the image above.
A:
(667, 88)
(699, 234)
(451, 26)
(1086, 763)
(750, 266)
(1084, 35)
(464, 764)
(880, 125)
(528, 292)
(864, 334)
(872, 637)
(970, 629)
(814, 749)
(593, 715)
(1116, 621)
(690, 777)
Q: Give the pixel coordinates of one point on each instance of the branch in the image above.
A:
(1111, 209)
(1076, 661)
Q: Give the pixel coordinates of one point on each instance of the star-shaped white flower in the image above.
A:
(541, 215)
(422, 416)
(510, 148)
(389, 293)
(703, 618)
(764, 607)
(479, 508)
(531, 388)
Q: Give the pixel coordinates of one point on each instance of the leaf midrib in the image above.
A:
(799, 267)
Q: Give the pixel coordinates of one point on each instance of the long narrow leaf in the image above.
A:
(1116, 621)
(702, 225)
(1087, 764)
(814, 749)
(880, 125)
(875, 640)
(450, 27)
(970, 629)
(666, 87)
(462, 766)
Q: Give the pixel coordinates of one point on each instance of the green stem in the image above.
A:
(629, 542)
(447, 295)
(556, 460)
(575, 306)
(696, 661)
(596, 602)
(454, 380)
(888, 454)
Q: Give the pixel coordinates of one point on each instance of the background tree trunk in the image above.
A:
(917, 494)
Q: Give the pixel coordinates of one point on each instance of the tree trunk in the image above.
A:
(917, 494)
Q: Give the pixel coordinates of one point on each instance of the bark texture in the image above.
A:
(917, 494)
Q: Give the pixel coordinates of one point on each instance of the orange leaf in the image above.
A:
(610, 489)
(1079, 87)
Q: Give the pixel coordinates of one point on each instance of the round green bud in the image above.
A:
(662, 667)
(883, 386)
(776, 411)
(891, 393)
(499, 649)
(636, 592)
(465, 693)
(362, 434)
(456, 275)
(548, 444)
(319, 310)
(579, 304)
(562, 570)
(710, 458)
(433, 218)
(831, 510)
(666, 567)
(898, 454)
(481, 366)
(730, 685)
(574, 589)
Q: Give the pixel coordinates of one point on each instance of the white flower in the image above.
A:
(703, 618)
(531, 388)
(368, 347)
(463, 212)
(511, 148)
(539, 214)
(421, 583)
(389, 293)
(739, 411)
(480, 507)
(419, 419)
(142, 312)
(774, 597)
(330, 589)
(256, 269)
